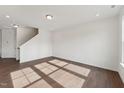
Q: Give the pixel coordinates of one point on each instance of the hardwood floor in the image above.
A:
(57, 73)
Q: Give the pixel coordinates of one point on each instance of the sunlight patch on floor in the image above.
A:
(78, 69)
(58, 62)
(67, 80)
(46, 69)
(23, 77)
(40, 84)
(59, 71)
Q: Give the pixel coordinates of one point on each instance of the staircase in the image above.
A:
(23, 35)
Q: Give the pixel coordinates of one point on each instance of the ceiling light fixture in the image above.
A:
(49, 17)
(7, 16)
(97, 14)
(16, 26)
(113, 6)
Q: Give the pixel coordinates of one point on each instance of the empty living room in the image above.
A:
(61, 46)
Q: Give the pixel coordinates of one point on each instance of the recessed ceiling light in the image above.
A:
(97, 14)
(16, 26)
(113, 6)
(7, 16)
(49, 17)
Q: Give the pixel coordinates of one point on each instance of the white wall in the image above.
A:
(94, 43)
(8, 43)
(36, 48)
(121, 47)
(0, 42)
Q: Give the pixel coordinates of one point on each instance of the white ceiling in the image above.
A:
(34, 16)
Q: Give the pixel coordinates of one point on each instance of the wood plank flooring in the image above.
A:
(53, 72)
